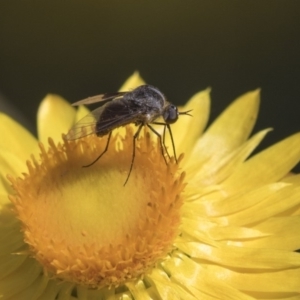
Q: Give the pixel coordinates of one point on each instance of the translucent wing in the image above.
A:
(85, 126)
(104, 119)
(99, 98)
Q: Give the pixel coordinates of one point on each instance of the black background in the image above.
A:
(82, 48)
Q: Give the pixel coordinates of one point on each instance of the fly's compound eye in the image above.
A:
(170, 114)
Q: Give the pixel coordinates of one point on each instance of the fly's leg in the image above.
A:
(164, 139)
(136, 135)
(106, 147)
(164, 135)
(173, 144)
(162, 146)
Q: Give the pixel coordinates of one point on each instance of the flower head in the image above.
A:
(217, 225)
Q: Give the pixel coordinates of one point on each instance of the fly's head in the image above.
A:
(171, 113)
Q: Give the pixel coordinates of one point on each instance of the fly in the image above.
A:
(141, 106)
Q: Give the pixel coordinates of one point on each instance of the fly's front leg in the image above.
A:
(173, 144)
(162, 146)
(164, 135)
(164, 140)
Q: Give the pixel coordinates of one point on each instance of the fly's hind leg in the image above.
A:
(105, 149)
(136, 135)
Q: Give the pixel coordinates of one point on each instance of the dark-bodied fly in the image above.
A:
(141, 106)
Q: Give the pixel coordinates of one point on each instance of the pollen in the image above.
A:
(83, 225)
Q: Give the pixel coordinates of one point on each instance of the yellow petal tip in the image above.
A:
(132, 82)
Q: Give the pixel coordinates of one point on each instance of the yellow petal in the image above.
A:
(193, 274)
(267, 166)
(188, 129)
(12, 165)
(138, 290)
(16, 139)
(267, 206)
(293, 179)
(283, 281)
(213, 233)
(230, 129)
(284, 234)
(241, 257)
(198, 279)
(132, 82)
(81, 112)
(163, 284)
(168, 289)
(11, 241)
(213, 173)
(29, 269)
(55, 117)
(3, 198)
(92, 294)
(197, 229)
(9, 263)
(217, 203)
(35, 289)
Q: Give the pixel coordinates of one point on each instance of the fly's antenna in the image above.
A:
(186, 113)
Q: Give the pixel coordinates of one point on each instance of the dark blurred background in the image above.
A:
(83, 48)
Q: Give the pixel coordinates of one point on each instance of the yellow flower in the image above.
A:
(217, 225)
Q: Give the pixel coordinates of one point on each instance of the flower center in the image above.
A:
(83, 225)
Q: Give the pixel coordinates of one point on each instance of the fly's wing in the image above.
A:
(99, 98)
(104, 119)
(115, 114)
(85, 126)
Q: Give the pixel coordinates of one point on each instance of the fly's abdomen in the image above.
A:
(115, 114)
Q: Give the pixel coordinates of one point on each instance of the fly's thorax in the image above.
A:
(146, 96)
(147, 118)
